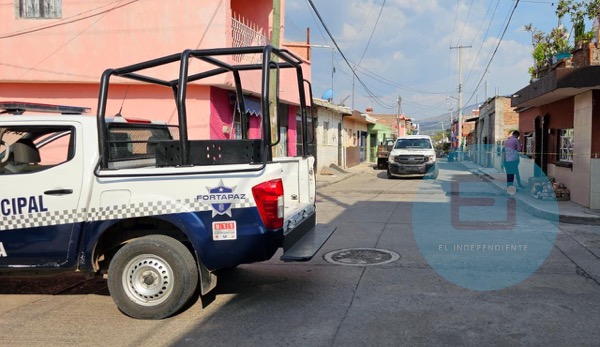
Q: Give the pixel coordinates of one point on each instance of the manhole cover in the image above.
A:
(361, 256)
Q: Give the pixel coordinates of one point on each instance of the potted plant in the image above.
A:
(558, 44)
(548, 49)
(578, 11)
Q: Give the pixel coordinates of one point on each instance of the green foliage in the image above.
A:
(578, 11)
(546, 45)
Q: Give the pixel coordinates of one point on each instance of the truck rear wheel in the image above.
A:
(152, 277)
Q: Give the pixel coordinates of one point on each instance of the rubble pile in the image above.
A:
(550, 190)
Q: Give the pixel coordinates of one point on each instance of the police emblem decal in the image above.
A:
(221, 198)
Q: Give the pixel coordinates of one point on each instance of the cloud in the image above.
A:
(409, 52)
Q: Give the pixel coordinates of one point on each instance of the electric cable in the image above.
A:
(376, 99)
(495, 50)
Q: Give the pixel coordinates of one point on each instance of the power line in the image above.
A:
(346, 59)
(495, 50)
(363, 25)
(484, 38)
(372, 32)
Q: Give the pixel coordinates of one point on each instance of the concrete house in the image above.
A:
(559, 119)
(356, 138)
(83, 38)
(330, 133)
(497, 119)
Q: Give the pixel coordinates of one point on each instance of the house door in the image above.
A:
(363, 146)
(541, 145)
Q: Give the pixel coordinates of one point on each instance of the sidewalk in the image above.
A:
(335, 174)
(568, 211)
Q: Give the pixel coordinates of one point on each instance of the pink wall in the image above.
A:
(148, 102)
(292, 132)
(94, 35)
(222, 114)
(85, 95)
(255, 11)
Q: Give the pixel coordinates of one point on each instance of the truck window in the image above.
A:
(128, 141)
(33, 149)
(413, 143)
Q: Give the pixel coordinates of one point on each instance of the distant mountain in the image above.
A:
(433, 124)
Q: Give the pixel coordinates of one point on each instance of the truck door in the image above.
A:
(41, 177)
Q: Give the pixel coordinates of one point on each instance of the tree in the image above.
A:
(578, 11)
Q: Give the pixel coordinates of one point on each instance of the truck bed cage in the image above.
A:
(214, 57)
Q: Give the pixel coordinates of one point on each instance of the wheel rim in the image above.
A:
(148, 280)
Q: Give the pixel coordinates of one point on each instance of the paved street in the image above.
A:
(422, 298)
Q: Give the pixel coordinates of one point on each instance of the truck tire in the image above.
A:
(152, 277)
(433, 173)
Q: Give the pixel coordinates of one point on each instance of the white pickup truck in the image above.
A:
(139, 203)
(413, 155)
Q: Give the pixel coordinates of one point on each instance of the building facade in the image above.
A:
(497, 120)
(356, 137)
(559, 118)
(330, 133)
(83, 38)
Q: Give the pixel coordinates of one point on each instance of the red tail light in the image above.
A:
(269, 201)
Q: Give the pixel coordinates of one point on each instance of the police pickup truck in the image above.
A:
(140, 203)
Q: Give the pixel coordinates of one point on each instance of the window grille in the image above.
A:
(565, 152)
(38, 9)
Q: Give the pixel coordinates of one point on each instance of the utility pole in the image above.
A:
(398, 116)
(273, 82)
(353, 88)
(460, 106)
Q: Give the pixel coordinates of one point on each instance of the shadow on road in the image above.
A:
(62, 284)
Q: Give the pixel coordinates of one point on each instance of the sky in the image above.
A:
(402, 49)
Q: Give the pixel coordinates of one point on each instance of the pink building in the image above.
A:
(54, 51)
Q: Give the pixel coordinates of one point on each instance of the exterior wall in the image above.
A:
(66, 69)
(328, 140)
(108, 35)
(582, 139)
(293, 133)
(352, 129)
(136, 104)
(222, 115)
(258, 11)
(559, 116)
(485, 127)
(391, 121)
(595, 184)
(577, 113)
(377, 134)
(507, 120)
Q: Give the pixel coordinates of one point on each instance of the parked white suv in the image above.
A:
(413, 155)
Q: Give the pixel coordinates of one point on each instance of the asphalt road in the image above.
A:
(424, 297)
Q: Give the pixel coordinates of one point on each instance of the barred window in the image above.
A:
(38, 9)
(529, 145)
(565, 151)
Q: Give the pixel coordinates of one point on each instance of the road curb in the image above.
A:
(561, 217)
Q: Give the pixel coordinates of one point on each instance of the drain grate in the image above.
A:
(361, 256)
